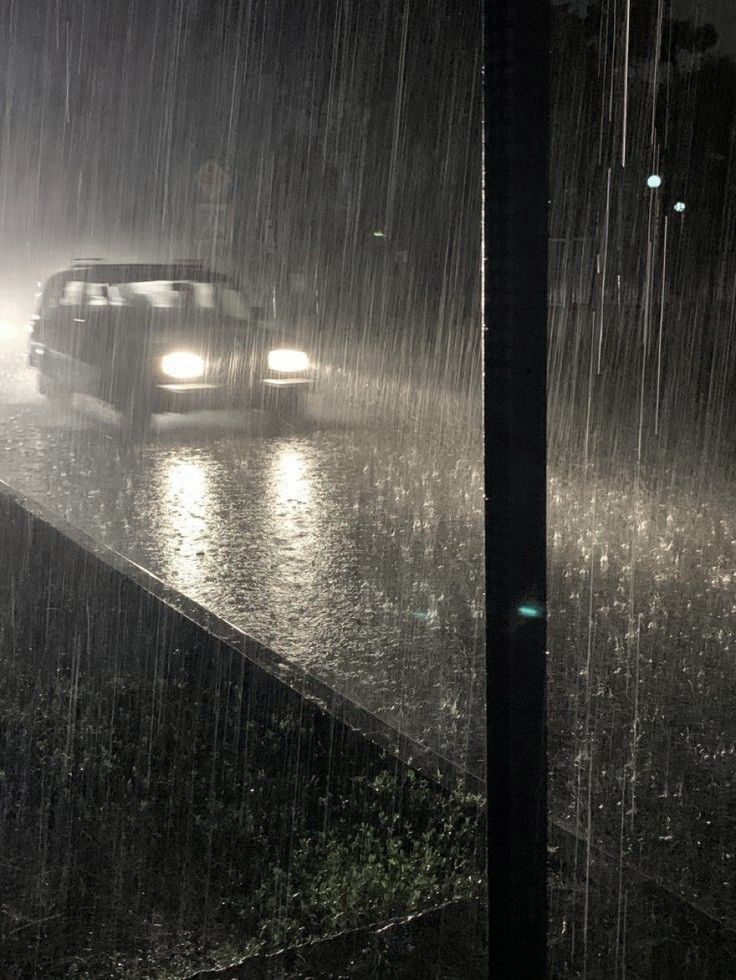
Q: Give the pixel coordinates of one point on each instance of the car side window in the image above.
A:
(73, 294)
(97, 294)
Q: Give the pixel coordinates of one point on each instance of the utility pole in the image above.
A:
(516, 116)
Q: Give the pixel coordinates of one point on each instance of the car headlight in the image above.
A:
(287, 360)
(182, 365)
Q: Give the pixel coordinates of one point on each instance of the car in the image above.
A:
(160, 337)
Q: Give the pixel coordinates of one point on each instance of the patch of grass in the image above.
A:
(151, 825)
(642, 736)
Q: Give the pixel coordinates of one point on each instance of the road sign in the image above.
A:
(214, 230)
(214, 215)
(213, 181)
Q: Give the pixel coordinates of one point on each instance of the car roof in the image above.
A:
(108, 272)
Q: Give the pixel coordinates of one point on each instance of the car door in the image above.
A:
(44, 328)
(50, 338)
(95, 341)
(70, 318)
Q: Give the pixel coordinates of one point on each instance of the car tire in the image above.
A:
(136, 411)
(52, 389)
(139, 419)
(289, 405)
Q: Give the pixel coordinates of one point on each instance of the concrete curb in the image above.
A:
(321, 697)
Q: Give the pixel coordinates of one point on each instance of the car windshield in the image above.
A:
(185, 295)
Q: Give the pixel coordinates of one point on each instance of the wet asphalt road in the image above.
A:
(351, 545)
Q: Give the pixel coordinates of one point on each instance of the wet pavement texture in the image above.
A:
(352, 544)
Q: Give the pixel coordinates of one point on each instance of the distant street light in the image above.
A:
(654, 181)
(378, 234)
(680, 207)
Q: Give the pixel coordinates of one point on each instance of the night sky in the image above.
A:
(720, 13)
(332, 119)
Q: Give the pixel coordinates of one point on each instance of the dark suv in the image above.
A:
(161, 337)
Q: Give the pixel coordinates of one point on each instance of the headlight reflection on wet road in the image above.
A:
(290, 479)
(185, 509)
(293, 527)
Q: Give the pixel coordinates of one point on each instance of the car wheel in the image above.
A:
(139, 419)
(137, 413)
(52, 389)
(289, 405)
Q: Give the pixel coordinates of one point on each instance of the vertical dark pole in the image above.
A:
(516, 115)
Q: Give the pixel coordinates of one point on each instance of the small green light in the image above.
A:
(378, 234)
(530, 612)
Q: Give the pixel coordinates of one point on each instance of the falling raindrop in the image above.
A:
(240, 346)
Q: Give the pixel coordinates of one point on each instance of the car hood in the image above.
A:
(214, 332)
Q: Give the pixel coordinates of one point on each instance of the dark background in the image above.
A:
(333, 121)
(641, 319)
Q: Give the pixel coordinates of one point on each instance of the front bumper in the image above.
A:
(289, 383)
(198, 395)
